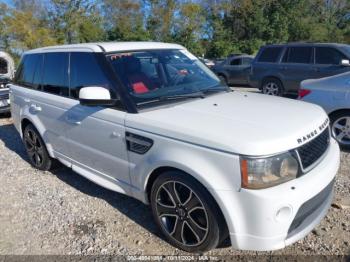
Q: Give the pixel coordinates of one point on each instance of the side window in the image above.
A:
(299, 55)
(270, 54)
(38, 73)
(247, 61)
(55, 74)
(235, 62)
(26, 70)
(328, 56)
(84, 72)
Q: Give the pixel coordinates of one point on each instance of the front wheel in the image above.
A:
(272, 86)
(186, 213)
(340, 123)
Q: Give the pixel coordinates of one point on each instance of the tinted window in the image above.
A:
(270, 54)
(38, 73)
(247, 61)
(84, 72)
(235, 62)
(328, 55)
(26, 70)
(55, 74)
(300, 55)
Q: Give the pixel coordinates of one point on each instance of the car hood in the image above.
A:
(235, 122)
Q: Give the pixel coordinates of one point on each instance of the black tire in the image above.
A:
(36, 149)
(340, 127)
(195, 208)
(272, 86)
(223, 79)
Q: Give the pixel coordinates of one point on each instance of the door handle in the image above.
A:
(35, 108)
(72, 121)
(316, 69)
(27, 100)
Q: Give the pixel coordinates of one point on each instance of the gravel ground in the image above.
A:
(61, 212)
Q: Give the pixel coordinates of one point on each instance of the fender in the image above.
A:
(25, 115)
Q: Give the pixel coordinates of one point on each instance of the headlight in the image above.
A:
(266, 172)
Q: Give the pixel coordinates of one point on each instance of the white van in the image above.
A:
(151, 121)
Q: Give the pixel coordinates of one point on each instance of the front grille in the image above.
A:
(312, 151)
(309, 208)
(4, 96)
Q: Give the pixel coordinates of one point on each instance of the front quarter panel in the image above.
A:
(213, 169)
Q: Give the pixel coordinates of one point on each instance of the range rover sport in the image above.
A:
(149, 120)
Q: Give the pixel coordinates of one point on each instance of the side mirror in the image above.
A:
(95, 96)
(345, 62)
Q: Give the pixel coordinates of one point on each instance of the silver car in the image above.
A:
(333, 94)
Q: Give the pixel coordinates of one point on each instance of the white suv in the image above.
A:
(151, 121)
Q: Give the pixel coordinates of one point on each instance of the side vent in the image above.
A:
(138, 144)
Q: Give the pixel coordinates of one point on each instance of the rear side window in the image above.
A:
(55, 74)
(26, 71)
(235, 62)
(84, 72)
(328, 56)
(299, 55)
(38, 73)
(270, 54)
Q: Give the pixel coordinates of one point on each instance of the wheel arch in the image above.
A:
(337, 111)
(162, 169)
(25, 121)
(270, 76)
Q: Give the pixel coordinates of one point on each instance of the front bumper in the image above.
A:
(275, 217)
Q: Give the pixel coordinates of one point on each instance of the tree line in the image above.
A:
(213, 28)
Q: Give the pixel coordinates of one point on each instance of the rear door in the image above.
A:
(328, 62)
(234, 70)
(45, 95)
(296, 66)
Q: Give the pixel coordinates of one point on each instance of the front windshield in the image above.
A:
(155, 74)
(346, 48)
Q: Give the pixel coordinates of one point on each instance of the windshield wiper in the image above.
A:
(216, 89)
(190, 95)
(174, 97)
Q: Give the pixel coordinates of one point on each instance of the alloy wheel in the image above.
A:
(341, 130)
(34, 147)
(181, 213)
(271, 88)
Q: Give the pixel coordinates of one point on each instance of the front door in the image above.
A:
(96, 135)
(328, 62)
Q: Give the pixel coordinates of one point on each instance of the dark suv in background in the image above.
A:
(234, 70)
(279, 69)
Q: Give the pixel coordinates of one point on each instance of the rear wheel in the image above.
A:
(340, 123)
(272, 86)
(36, 149)
(186, 213)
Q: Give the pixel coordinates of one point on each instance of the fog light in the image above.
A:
(283, 214)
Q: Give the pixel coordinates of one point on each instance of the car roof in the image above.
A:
(106, 47)
(306, 44)
(240, 56)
